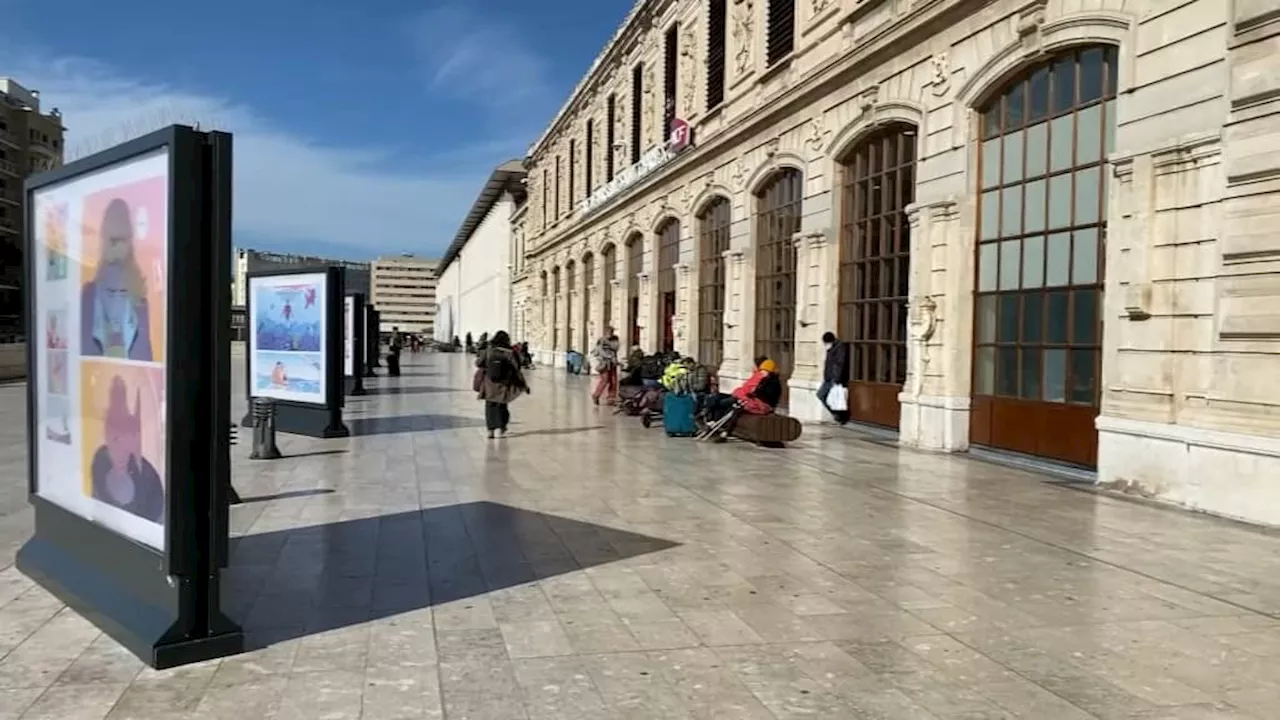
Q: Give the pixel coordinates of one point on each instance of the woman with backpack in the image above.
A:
(501, 383)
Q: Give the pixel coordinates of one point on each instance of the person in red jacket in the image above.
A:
(759, 395)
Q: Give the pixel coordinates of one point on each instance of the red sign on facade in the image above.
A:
(680, 135)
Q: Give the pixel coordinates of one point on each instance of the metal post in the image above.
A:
(264, 430)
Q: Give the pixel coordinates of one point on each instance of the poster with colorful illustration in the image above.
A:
(287, 337)
(102, 240)
(349, 336)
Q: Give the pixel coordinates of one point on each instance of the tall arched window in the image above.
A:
(668, 258)
(713, 242)
(878, 182)
(777, 222)
(588, 286)
(1041, 232)
(570, 275)
(635, 261)
(555, 308)
(609, 256)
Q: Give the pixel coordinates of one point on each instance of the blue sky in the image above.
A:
(361, 127)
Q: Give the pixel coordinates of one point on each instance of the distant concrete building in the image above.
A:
(248, 261)
(30, 142)
(404, 293)
(474, 294)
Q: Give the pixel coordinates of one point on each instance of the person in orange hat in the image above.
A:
(759, 395)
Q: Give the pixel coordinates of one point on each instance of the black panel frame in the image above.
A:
(162, 605)
(311, 420)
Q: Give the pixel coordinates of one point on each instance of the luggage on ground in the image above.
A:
(678, 414)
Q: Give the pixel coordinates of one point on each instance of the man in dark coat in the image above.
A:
(835, 371)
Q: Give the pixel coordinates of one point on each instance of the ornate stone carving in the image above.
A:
(650, 102)
(940, 74)
(818, 136)
(739, 173)
(686, 197)
(689, 87)
(771, 147)
(1030, 20)
(925, 323)
(868, 99)
(819, 6)
(743, 24)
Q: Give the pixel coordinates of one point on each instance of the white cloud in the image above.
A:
(290, 192)
(485, 60)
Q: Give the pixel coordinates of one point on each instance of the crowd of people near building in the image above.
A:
(681, 391)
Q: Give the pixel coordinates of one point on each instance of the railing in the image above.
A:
(9, 167)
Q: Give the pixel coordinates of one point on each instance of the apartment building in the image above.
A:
(404, 293)
(249, 260)
(30, 141)
(1045, 227)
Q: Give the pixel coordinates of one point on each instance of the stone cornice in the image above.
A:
(619, 44)
(921, 20)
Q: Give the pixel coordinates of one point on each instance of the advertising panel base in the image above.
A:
(121, 587)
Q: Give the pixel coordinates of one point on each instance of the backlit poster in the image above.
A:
(349, 336)
(286, 337)
(101, 294)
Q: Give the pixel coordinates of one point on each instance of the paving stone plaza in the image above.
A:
(588, 568)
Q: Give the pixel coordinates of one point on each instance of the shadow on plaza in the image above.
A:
(557, 431)
(411, 390)
(288, 584)
(410, 424)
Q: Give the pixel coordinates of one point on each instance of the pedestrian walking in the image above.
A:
(605, 356)
(833, 393)
(501, 383)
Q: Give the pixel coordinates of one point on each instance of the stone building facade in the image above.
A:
(1045, 227)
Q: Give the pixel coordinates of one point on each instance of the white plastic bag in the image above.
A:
(838, 398)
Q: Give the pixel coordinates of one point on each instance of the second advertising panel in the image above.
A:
(287, 336)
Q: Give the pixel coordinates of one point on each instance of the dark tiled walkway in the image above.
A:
(587, 568)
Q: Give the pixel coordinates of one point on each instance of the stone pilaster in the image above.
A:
(936, 398)
(617, 309)
(816, 301)
(648, 336)
(684, 319)
(739, 326)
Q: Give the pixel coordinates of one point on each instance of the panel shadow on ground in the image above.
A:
(401, 424)
(287, 584)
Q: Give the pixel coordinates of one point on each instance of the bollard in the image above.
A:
(233, 497)
(264, 430)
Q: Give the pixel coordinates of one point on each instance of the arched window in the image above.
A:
(635, 261)
(777, 222)
(570, 274)
(555, 308)
(588, 285)
(878, 182)
(1041, 232)
(668, 258)
(713, 242)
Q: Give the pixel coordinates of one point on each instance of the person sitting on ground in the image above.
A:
(759, 395)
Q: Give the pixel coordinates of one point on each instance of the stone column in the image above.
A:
(683, 319)
(739, 325)
(617, 311)
(816, 300)
(645, 314)
(936, 398)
